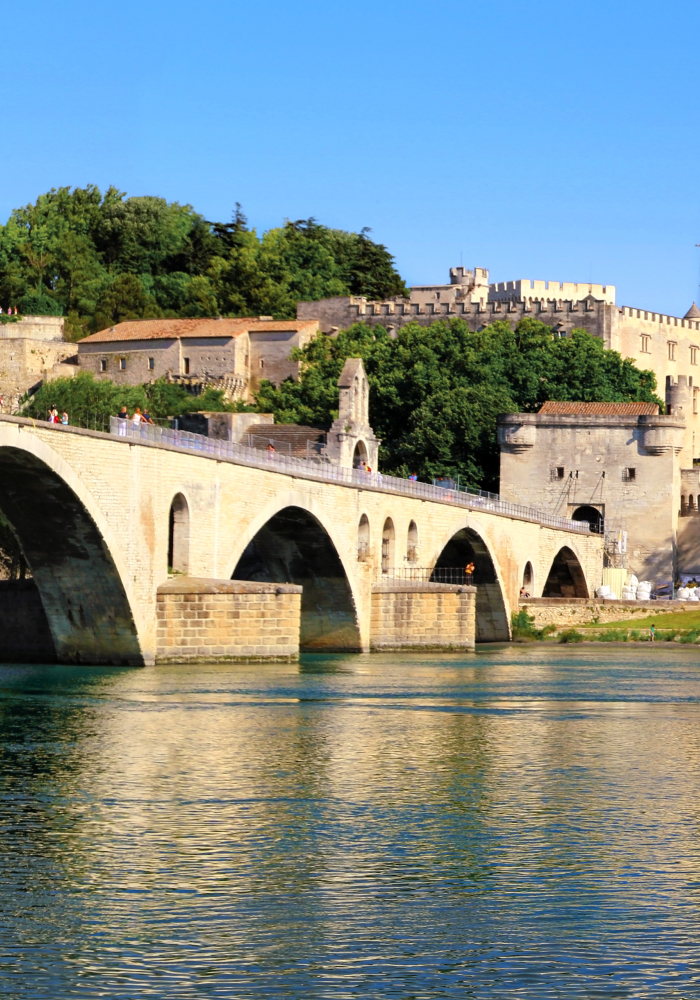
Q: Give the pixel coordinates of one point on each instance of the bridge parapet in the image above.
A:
(325, 472)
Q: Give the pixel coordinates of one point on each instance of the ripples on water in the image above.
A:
(523, 823)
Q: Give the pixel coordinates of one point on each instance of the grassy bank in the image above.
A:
(683, 620)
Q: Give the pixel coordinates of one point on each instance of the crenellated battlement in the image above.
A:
(660, 318)
(530, 289)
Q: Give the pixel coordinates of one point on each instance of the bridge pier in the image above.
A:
(423, 616)
(210, 620)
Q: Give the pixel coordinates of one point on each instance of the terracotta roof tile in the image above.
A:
(562, 409)
(166, 329)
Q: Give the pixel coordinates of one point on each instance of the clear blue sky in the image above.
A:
(541, 139)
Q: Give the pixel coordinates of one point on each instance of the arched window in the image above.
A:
(388, 537)
(363, 539)
(684, 504)
(691, 502)
(179, 536)
(412, 546)
(528, 578)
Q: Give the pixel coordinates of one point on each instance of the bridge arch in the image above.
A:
(590, 514)
(470, 543)
(360, 455)
(179, 535)
(292, 542)
(363, 539)
(566, 577)
(75, 560)
(412, 543)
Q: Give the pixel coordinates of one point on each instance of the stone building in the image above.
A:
(615, 465)
(230, 354)
(668, 345)
(32, 350)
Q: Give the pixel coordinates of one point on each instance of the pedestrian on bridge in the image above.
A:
(122, 419)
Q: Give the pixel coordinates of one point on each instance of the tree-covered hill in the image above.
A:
(98, 259)
(436, 391)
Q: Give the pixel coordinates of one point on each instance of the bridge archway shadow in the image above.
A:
(86, 608)
(491, 619)
(294, 547)
(566, 577)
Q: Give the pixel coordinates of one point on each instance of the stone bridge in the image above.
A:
(121, 534)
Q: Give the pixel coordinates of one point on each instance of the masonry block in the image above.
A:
(227, 620)
(424, 615)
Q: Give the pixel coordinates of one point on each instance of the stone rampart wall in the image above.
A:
(24, 363)
(227, 620)
(566, 613)
(425, 616)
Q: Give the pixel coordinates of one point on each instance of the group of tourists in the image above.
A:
(55, 419)
(9, 311)
(137, 418)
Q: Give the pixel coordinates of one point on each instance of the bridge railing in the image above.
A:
(424, 574)
(335, 474)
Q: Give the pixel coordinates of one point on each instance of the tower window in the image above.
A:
(645, 345)
(629, 475)
(693, 355)
(671, 351)
(262, 362)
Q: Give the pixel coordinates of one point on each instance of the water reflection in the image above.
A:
(520, 823)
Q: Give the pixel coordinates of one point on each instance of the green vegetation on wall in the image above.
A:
(88, 401)
(436, 391)
(99, 259)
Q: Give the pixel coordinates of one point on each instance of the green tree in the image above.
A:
(67, 252)
(90, 402)
(436, 391)
(124, 298)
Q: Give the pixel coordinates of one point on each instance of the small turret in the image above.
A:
(351, 440)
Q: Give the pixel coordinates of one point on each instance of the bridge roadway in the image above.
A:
(101, 517)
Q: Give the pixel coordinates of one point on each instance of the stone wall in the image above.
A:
(626, 467)
(565, 613)
(25, 636)
(25, 363)
(227, 620)
(423, 616)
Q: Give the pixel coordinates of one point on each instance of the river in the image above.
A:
(520, 823)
